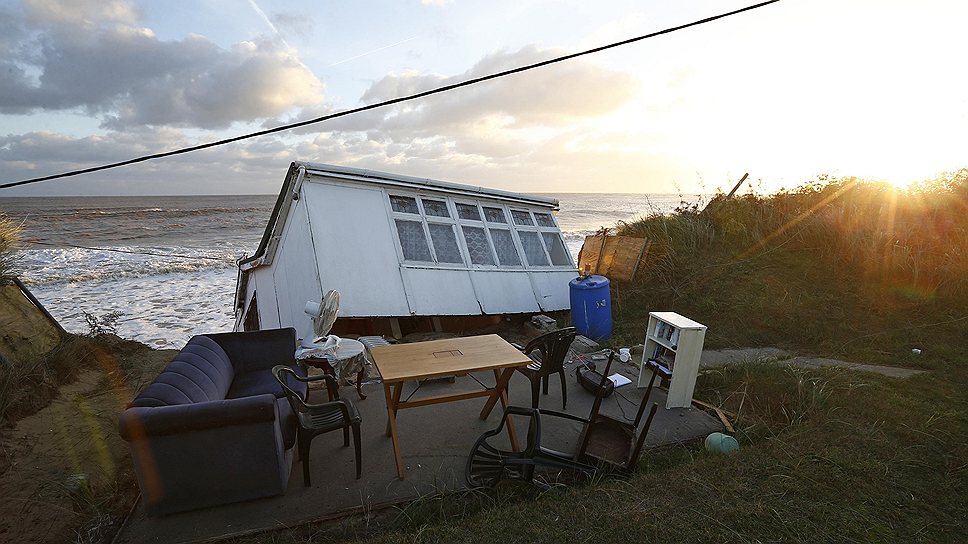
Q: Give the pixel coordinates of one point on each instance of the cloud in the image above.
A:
(555, 96)
(532, 132)
(81, 12)
(436, 3)
(108, 66)
(552, 96)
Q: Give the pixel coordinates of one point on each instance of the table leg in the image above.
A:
(499, 389)
(512, 432)
(359, 384)
(331, 390)
(397, 389)
(392, 400)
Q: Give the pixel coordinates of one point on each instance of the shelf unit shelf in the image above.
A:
(663, 342)
(676, 341)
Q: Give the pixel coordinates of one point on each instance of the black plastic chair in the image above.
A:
(548, 352)
(487, 464)
(316, 419)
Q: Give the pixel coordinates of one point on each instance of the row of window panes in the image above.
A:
(438, 208)
(415, 248)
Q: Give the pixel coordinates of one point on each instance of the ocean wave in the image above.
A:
(168, 212)
(76, 265)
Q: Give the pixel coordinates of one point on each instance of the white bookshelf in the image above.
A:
(675, 341)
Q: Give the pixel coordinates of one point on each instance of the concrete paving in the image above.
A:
(434, 440)
(718, 358)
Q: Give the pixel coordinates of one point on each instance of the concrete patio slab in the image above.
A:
(434, 440)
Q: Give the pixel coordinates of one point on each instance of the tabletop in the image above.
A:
(445, 357)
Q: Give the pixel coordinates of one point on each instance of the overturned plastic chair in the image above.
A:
(604, 441)
(488, 464)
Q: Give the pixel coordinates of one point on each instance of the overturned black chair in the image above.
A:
(488, 464)
(603, 441)
(548, 352)
(316, 419)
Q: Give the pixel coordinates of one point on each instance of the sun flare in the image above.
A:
(902, 183)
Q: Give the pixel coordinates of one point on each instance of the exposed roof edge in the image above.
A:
(375, 176)
(284, 196)
(281, 209)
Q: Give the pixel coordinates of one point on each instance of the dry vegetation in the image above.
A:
(9, 234)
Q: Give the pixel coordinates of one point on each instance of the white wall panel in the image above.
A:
(355, 250)
(504, 292)
(441, 292)
(295, 273)
(552, 289)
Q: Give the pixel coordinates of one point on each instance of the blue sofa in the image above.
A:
(215, 426)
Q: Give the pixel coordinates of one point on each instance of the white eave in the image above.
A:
(388, 179)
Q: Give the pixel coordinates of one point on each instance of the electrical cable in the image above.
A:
(386, 102)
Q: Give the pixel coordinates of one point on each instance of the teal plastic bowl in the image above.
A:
(721, 443)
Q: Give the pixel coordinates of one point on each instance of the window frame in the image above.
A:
(481, 224)
(457, 223)
(539, 230)
(425, 220)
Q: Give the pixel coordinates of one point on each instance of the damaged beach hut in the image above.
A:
(401, 249)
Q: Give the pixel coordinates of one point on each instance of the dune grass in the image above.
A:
(841, 268)
(9, 235)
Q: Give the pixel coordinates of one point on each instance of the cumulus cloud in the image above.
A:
(81, 12)
(556, 96)
(552, 96)
(91, 55)
(532, 132)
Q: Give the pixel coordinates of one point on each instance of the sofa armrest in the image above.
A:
(139, 422)
(258, 350)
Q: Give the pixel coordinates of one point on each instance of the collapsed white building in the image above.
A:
(398, 246)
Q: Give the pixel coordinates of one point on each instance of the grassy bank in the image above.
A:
(837, 268)
(842, 268)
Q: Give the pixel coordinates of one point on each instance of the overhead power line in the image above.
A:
(385, 103)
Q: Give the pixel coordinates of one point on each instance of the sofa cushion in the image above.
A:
(258, 382)
(200, 372)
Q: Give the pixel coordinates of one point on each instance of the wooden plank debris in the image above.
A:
(719, 412)
(615, 257)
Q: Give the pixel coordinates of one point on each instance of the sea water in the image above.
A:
(168, 264)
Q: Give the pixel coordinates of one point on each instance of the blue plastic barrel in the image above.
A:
(591, 306)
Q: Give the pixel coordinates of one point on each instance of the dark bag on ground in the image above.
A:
(591, 380)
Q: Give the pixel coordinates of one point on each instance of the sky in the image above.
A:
(867, 88)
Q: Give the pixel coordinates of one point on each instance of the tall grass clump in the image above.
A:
(9, 234)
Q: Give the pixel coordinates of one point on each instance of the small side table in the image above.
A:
(348, 359)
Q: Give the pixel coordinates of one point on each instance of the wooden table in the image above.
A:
(453, 356)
